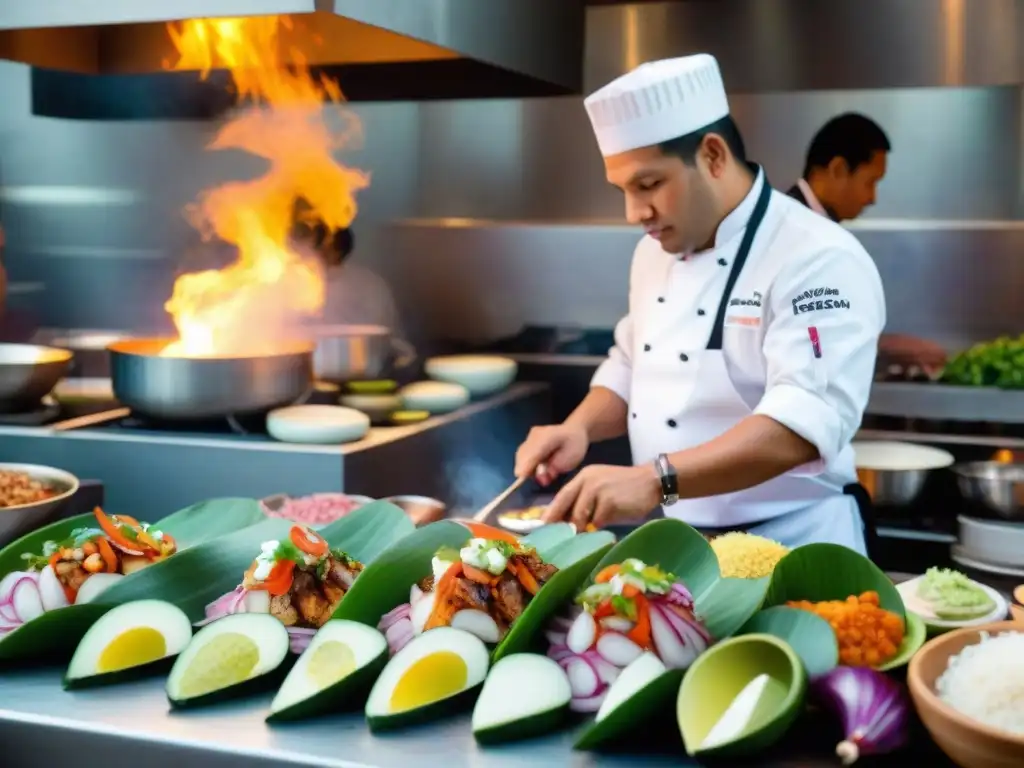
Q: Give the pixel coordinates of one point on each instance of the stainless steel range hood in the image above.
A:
(105, 59)
(791, 45)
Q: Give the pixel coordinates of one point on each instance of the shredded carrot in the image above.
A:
(478, 575)
(641, 631)
(107, 553)
(525, 577)
(629, 591)
(868, 635)
(440, 615)
(606, 574)
(489, 532)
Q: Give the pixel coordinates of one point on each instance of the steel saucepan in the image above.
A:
(357, 352)
(28, 373)
(894, 473)
(996, 486)
(182, 388)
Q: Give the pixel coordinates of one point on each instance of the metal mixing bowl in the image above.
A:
(997, 486)
(420, 509)
(19, 520)
(29, 372)
(888, 487)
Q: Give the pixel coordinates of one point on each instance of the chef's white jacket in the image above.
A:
(799, 346)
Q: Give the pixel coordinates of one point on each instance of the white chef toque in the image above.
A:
(656, 102)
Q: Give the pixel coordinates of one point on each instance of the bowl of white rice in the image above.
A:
(968, 688)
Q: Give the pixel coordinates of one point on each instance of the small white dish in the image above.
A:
(433, 396)
(896, 456)
(84, 389)
(317, 424)
(377, 407)
(480, 374)
(914, 604)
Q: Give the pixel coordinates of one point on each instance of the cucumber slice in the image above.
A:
(525, 695)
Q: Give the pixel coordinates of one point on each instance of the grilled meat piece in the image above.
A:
(469, 594)
(509, 599)
(540, 570)
(310, 602)
(71, 573)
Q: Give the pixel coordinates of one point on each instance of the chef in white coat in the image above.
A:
(743, 367)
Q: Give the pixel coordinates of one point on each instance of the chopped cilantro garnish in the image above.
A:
(623, 606)
(288, 551)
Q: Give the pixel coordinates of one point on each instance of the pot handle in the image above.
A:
(405, 353)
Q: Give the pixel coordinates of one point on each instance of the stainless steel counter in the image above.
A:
(40, 723)
(158, 471)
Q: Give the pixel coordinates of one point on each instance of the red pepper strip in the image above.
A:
(107, 553)
(604, 610)
(441, 614)
(279, 581)
(641, 632)
(112, 530)
(69, 593)
(308, 542)
(489, 532)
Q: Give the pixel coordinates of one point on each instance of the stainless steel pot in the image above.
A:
(997, 486)
(357, 352)
(892, 487)
(28, 373)
(206, 387)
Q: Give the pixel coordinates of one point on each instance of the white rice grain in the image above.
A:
(986, 681)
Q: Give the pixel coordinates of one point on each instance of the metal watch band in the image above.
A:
(669, 480)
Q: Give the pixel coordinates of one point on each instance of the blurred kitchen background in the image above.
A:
(490, 215)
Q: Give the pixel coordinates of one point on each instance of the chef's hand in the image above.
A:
(551, 451)
(602, 494)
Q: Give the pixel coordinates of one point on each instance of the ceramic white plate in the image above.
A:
(914, 604)
(480, 374)
(433, 396)
(317, 424)
(377, 407)
(897, 456)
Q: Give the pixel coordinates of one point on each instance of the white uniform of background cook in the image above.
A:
(800, 333)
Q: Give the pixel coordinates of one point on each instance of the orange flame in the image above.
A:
(247, 307)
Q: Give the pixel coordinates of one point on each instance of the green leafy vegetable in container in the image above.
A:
(997, 363)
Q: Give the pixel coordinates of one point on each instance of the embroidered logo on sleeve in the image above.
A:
(815, 340)
(819, 299)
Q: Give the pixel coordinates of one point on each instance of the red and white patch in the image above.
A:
(812, 332)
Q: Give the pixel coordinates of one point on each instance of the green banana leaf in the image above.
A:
(208, 536)
(385, 584)
(724, 605)
(810, 636)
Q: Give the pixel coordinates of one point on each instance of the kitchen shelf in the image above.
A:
(943, 402)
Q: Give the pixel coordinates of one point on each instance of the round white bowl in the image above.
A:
(434, 396)
(18, 520)
(317, 424)
(480, 374)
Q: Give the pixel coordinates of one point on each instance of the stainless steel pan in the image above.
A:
(997, 486)
(357, 352)
(28, 373)
(182, 388)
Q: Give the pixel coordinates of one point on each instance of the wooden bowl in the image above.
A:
(966, 741)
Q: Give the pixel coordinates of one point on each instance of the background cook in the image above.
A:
(743, 367)
(846, 160)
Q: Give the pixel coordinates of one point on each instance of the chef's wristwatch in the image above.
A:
(669, 480)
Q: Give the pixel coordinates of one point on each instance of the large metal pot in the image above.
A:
(996, 486)
(28, 373)
(357, 352)
(181, 388)
(894, 473)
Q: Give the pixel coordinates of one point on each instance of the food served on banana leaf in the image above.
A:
(80, 567)
(868, 634)
(482, 588)
(631, 608)
(746, 556)
(299, 580)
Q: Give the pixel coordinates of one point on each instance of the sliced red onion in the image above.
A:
(299, 638)
(555, 638)
(680, 595)
(399, 635)
(617, 624)
(559, 652)
(391, 617)
(225, 605)
(687, 625)
(618, 649)
(582, 678)
(586, 704)
(672, 647)
(25, 598)
(872, 706)
(582, 633)
(606, 671)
